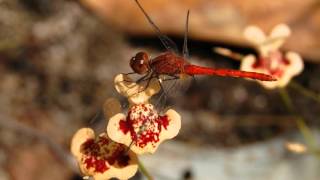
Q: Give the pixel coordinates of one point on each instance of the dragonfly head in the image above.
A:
(140, 63)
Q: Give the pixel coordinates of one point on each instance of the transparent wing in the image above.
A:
(165, 40)
(185, 51)
(172, 89)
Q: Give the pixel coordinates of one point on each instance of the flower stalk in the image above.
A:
(304, 91)
(302, 126)
(144, 171)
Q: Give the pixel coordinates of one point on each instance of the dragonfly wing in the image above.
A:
(172, 88)
(168, 43)
(165, 40)
(185, 51)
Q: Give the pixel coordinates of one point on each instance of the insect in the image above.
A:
(176, 66)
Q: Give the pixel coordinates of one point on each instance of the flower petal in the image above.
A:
(113, 130)
(296, 63)
(254, 35)
(247, 63)
(79, 138)
(121, 172)
(173, 127)
(136, 93)
(283, 81)
(294, 68)
(280, 31)
(273, 84)
(266, 45)
(276, 39)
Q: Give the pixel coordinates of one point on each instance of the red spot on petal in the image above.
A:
(286, 61)
(266, 63)
(98, 165)
(144, 126)
(102, 153)
(258, 63)
(125, 126)
(164, 121)
(123, 160)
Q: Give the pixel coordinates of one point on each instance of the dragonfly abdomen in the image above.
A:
(199, 70)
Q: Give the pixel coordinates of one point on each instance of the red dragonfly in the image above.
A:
(173, 65)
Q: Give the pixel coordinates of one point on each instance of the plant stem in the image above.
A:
(144, 171)
(306, 132)
(304, 91)
(303, 128)
(286, 99)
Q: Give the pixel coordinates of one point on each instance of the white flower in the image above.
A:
(136, 93)
(143, 129)
(270, 59)
(102, 158)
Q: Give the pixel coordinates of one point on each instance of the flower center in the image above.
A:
(275, 63)
(144, 124)
(101, 153)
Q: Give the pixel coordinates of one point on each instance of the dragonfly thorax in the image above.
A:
(140, 63)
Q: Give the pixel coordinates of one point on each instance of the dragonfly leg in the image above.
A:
(143, 78)
(162, 88)
(136, 81)
(148, 82)
(172, 78)
(163, 96)
(194, 80)
(129, 73)
(126, 74)
(148, 77)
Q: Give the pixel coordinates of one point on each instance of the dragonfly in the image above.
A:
(176, 66)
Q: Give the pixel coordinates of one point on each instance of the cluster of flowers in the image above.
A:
(114, 152)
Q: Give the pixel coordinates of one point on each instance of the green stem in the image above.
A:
(303, 128)
(286, 99)
(144, 171)
(304, 91)
(307, 134)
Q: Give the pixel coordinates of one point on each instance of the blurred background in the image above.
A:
(57, 64)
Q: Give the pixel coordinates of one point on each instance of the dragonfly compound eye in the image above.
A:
(140, 63)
